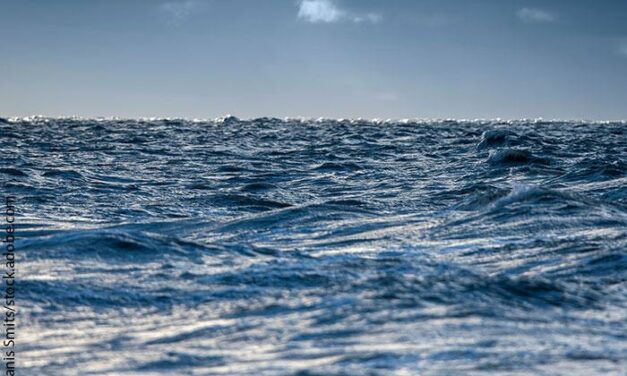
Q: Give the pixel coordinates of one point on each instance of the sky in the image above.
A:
(465, 59)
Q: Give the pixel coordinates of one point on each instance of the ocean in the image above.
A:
(318, 247)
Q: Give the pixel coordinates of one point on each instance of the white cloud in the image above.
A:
(535, 15)
(177, 11)
(327, 11)
(622, 49)
(315, 11)
(369, 17)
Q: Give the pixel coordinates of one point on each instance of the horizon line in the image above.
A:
(229, 117)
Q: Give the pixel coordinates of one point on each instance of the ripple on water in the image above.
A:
(276, 247)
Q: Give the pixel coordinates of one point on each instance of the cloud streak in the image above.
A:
(535, 15)
(327, 11)
(177, 11)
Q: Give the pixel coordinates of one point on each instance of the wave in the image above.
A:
(330, 246)
(515, 157)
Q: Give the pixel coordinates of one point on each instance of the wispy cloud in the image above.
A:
(535, 15)
(177, 11)
(327, 11)
(622, 49)
(316, 11)
(368, 17)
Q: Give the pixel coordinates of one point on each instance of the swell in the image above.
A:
(319, 246)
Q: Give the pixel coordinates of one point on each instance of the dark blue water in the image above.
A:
(272, 247)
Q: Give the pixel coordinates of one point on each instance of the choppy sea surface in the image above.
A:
(319, 247)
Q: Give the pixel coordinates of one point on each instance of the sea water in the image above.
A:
(318, 247)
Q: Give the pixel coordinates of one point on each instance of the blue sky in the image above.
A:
(331, 58)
